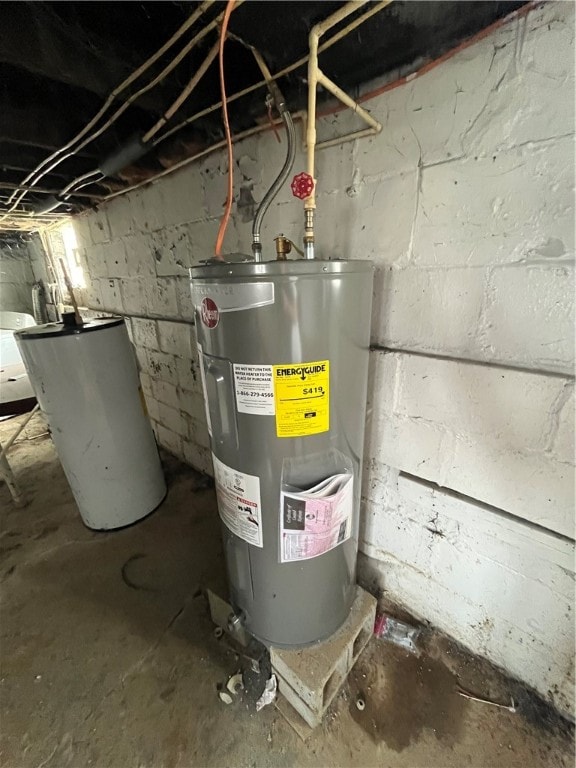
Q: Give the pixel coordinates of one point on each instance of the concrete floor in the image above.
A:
(109, 658)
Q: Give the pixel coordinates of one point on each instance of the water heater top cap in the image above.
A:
(60, 329)
(228, 258)
(220, 269)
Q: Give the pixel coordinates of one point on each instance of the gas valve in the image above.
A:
(302, 185)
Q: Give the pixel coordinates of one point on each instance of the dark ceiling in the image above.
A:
(60, 60)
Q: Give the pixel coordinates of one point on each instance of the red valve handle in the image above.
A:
(302, 185)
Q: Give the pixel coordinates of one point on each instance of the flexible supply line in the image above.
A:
(277, 183)
(277, 98)
(53, 220)
(335, 38)
(280, 102)
(230, 195)
(286, 71)
(256, 129)
(338, 36)
(301, 115)
(110, 100)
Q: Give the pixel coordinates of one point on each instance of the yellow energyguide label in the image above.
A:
(302, 398)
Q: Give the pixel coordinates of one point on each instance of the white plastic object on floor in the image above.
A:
(268, 694)
(235, 684)
(86, 381)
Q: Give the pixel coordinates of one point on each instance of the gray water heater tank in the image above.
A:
(283, 349)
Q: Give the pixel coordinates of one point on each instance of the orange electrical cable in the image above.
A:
(230, 196)
(501, 22)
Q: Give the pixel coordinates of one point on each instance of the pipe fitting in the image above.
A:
(235, 621)
(284, 246)
(309, 233)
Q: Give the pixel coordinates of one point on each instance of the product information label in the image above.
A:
(302, 398)
(254, 389)
(239, 505)
(315, 521)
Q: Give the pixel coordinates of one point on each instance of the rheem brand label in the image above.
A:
(302, 398)
(209, 313)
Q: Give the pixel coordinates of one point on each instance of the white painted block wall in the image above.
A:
(16, 279)
(465, 204)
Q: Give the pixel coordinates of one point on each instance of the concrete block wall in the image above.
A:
(465, 204)
(16, 278)
(476, 574)
(38, 259)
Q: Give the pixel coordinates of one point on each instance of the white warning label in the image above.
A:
(239, 505)
(254, 389)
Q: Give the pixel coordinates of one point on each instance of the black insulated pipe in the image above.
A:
(45, 206)
(132, 150)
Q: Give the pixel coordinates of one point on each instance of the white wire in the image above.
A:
(35, 175)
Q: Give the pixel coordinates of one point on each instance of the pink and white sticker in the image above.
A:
(315, 521)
